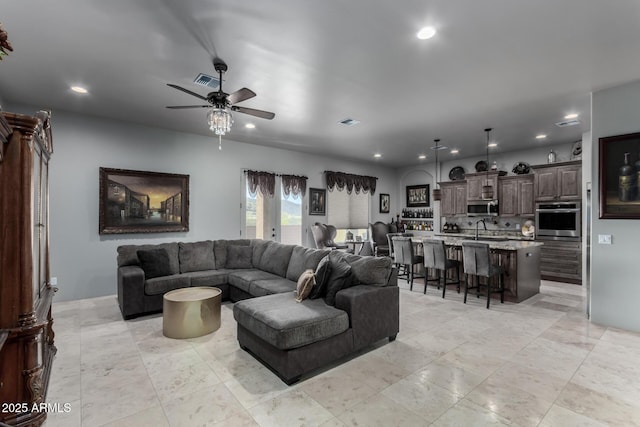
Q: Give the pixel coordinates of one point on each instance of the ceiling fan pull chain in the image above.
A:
(220, 142)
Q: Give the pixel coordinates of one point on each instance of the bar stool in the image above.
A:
(477, 262)
(401, 271)
(435, 256)
(403, 255)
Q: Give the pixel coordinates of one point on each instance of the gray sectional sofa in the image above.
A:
(291, 338)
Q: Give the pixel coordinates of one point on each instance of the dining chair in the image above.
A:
(404, 255)
(435, 257)
(476, 259)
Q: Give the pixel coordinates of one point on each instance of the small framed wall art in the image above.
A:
(417, 195)
(317, 201)
(385, 201)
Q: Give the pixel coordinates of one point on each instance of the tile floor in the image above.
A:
(535, 363)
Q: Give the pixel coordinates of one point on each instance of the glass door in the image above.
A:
(277, 218)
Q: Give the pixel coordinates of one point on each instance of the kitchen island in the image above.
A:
(520, 259)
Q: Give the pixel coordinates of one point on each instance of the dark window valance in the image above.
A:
(265, 182)
(294, 184)
(340, 180)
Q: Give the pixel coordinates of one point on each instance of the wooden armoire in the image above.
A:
(26, 335)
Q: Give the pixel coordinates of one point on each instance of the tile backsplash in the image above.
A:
(496, 225)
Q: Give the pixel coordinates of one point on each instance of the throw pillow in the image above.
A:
(323, 271)
(306, 281)
(154, 262)
(340, 278)
(239, 256)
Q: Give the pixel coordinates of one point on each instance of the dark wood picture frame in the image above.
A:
(143, 202)
(418, 196)
(618, 183)
(317, 201)
(385, 203)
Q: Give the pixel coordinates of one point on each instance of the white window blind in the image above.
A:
(347, 211)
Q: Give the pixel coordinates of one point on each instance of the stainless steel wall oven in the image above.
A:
(560, 219)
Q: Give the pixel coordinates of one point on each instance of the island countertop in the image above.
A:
(504, 245)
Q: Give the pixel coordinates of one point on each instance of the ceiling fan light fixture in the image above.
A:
(220, 121)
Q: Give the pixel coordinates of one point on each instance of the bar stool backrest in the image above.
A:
(435, 255)
(475, 257)
(402, 250)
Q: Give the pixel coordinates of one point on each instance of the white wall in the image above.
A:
(85, 262)
(615, 287)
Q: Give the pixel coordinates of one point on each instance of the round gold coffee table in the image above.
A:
(191, 312)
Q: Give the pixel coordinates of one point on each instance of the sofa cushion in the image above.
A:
(340, 278)
(282, 322)
(127, 255)
(242, 279)
(239, 256)
(303, 259)
(197, 256)
(161, 285)
(259, 288)
(368, 270)
(220, 250)
(259, 246)
(208, 277)
(275, 259)
(305, 283)
(154, 262)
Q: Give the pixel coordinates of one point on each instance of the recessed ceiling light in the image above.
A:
(422, 156)
(426, 33)
(493, 144)
(79, 89)
(571, 116)
(541, 136)
(455, 151)
(377, 155)
(250, 126)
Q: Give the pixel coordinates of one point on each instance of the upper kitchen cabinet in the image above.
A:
(454, 198)
(558, 181)
(515, 194)
(475, 181)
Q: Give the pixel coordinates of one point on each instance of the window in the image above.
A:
(348, 212)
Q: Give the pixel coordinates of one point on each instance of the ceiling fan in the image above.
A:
(220, 103)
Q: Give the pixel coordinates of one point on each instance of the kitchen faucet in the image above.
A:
(483, 221)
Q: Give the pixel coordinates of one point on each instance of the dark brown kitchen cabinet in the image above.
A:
(475, 182)
(515, 194)
(561, 260)
(26, 335)
(454, 198)
(558, 181)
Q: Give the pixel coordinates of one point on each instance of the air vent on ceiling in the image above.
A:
(349, 122)
(208, 81)
(565, 123)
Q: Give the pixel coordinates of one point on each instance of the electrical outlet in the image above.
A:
(517, 227)
(54, 281)
(604, 239)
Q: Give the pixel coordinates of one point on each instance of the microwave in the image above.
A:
(482, 208)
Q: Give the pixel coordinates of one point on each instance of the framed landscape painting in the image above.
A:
(619, 169)
(142, 202)
(417, 195)
(317, 201)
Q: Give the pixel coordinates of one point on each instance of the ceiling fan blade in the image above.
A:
(178, 107)
(187, 91)
(241, 95)
(253, 112)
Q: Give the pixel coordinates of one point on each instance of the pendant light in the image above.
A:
(436, 194)
(487, 189)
